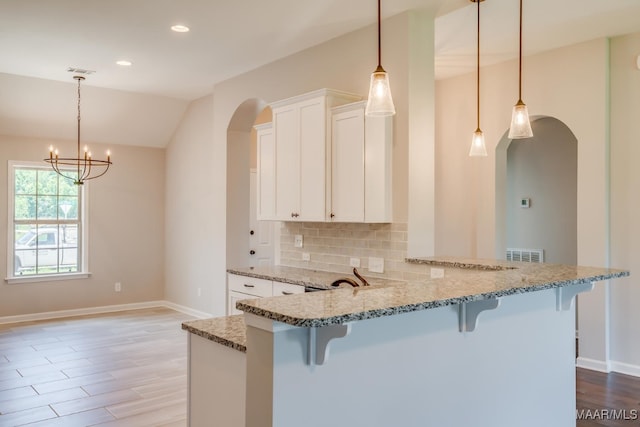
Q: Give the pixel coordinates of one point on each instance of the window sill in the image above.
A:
(46, 278)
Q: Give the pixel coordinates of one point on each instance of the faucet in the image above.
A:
(362, 279)
(348, 280)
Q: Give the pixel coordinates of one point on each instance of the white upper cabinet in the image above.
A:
(361, 165)
(347, 167)
(301, 127)
(322, 160)
(266, 172)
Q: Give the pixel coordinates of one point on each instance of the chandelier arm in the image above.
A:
(98, 176)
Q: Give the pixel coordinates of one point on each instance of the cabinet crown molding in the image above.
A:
(316, 93)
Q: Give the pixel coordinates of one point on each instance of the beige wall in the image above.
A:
(126, 232)
(194, 191)
(344, 64)
(572, 85)
(625, 199)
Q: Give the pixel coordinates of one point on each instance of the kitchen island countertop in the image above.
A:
(468, 280)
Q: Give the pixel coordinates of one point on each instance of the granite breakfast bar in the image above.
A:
(490, 343)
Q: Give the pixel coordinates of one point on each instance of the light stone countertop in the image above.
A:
(465, 280)
(305, 277)
(229, 330)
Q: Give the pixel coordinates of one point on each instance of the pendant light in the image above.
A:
(81, 168)
(520, 124)
(380, 102)
(478, 148)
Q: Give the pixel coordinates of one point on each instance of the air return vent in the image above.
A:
(525, 255)
(80, 71)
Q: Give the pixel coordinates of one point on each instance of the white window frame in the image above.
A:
(84, 231)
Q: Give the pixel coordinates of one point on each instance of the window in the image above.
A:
(46, 232)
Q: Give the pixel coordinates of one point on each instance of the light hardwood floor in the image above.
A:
(119, 369)
(129, 369)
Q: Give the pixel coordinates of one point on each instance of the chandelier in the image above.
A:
(80, 168)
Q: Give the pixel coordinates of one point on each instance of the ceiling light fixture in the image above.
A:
(478, 148)
(380, 102)
(178, 28)
(520, 124)
(78, 169)
(124, 63)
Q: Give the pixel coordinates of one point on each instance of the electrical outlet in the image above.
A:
(297, 241)
(437, 273)
(199, 292)
(376, 265)
(354, 262)
(118, 287)
(306, 256)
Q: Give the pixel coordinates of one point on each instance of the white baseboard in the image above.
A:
(625, 368)
(186, 310)
(104, 309)
(593, 365)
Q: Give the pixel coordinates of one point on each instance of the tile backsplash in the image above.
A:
(332, 245)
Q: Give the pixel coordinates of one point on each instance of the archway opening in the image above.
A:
(241, 165)
(537, 191)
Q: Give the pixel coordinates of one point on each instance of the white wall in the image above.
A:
(625, 201)
(126, 232)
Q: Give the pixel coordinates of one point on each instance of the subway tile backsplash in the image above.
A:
(332, 245)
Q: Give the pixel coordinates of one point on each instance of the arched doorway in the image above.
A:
(241, 165)
(536, 192)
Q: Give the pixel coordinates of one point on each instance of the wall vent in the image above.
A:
(525, 255)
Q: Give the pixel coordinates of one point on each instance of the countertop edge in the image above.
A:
(215, 338)
(390, 311)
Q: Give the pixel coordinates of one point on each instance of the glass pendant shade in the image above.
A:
(478, 148)
(520, 124)
(380, 102)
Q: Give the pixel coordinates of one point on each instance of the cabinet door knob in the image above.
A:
(293, 215)
(332, 215)
(252, 232)
(252, 252)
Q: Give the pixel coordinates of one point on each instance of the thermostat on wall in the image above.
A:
(525, 202)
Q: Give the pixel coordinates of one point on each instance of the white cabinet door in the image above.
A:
(361, 165)
(313, 159)
(287, 138)
(347, 172)
(266, 173)
(280, 289)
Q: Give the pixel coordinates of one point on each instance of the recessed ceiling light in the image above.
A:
(124, 63)
(180, 28)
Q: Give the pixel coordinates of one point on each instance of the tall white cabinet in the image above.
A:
(302, 130)
(266, 172)
(361, 165)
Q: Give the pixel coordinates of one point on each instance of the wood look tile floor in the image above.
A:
(129, 369)
(118, 369)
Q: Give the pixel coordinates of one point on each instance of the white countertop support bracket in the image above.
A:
(468, 312)
(319, 339)
(566, 295)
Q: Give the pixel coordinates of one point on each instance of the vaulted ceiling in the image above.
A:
(41, 38)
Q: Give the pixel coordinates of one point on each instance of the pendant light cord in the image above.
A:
(478, 68)
(520, 59)
(379, 38)
(78, 152)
